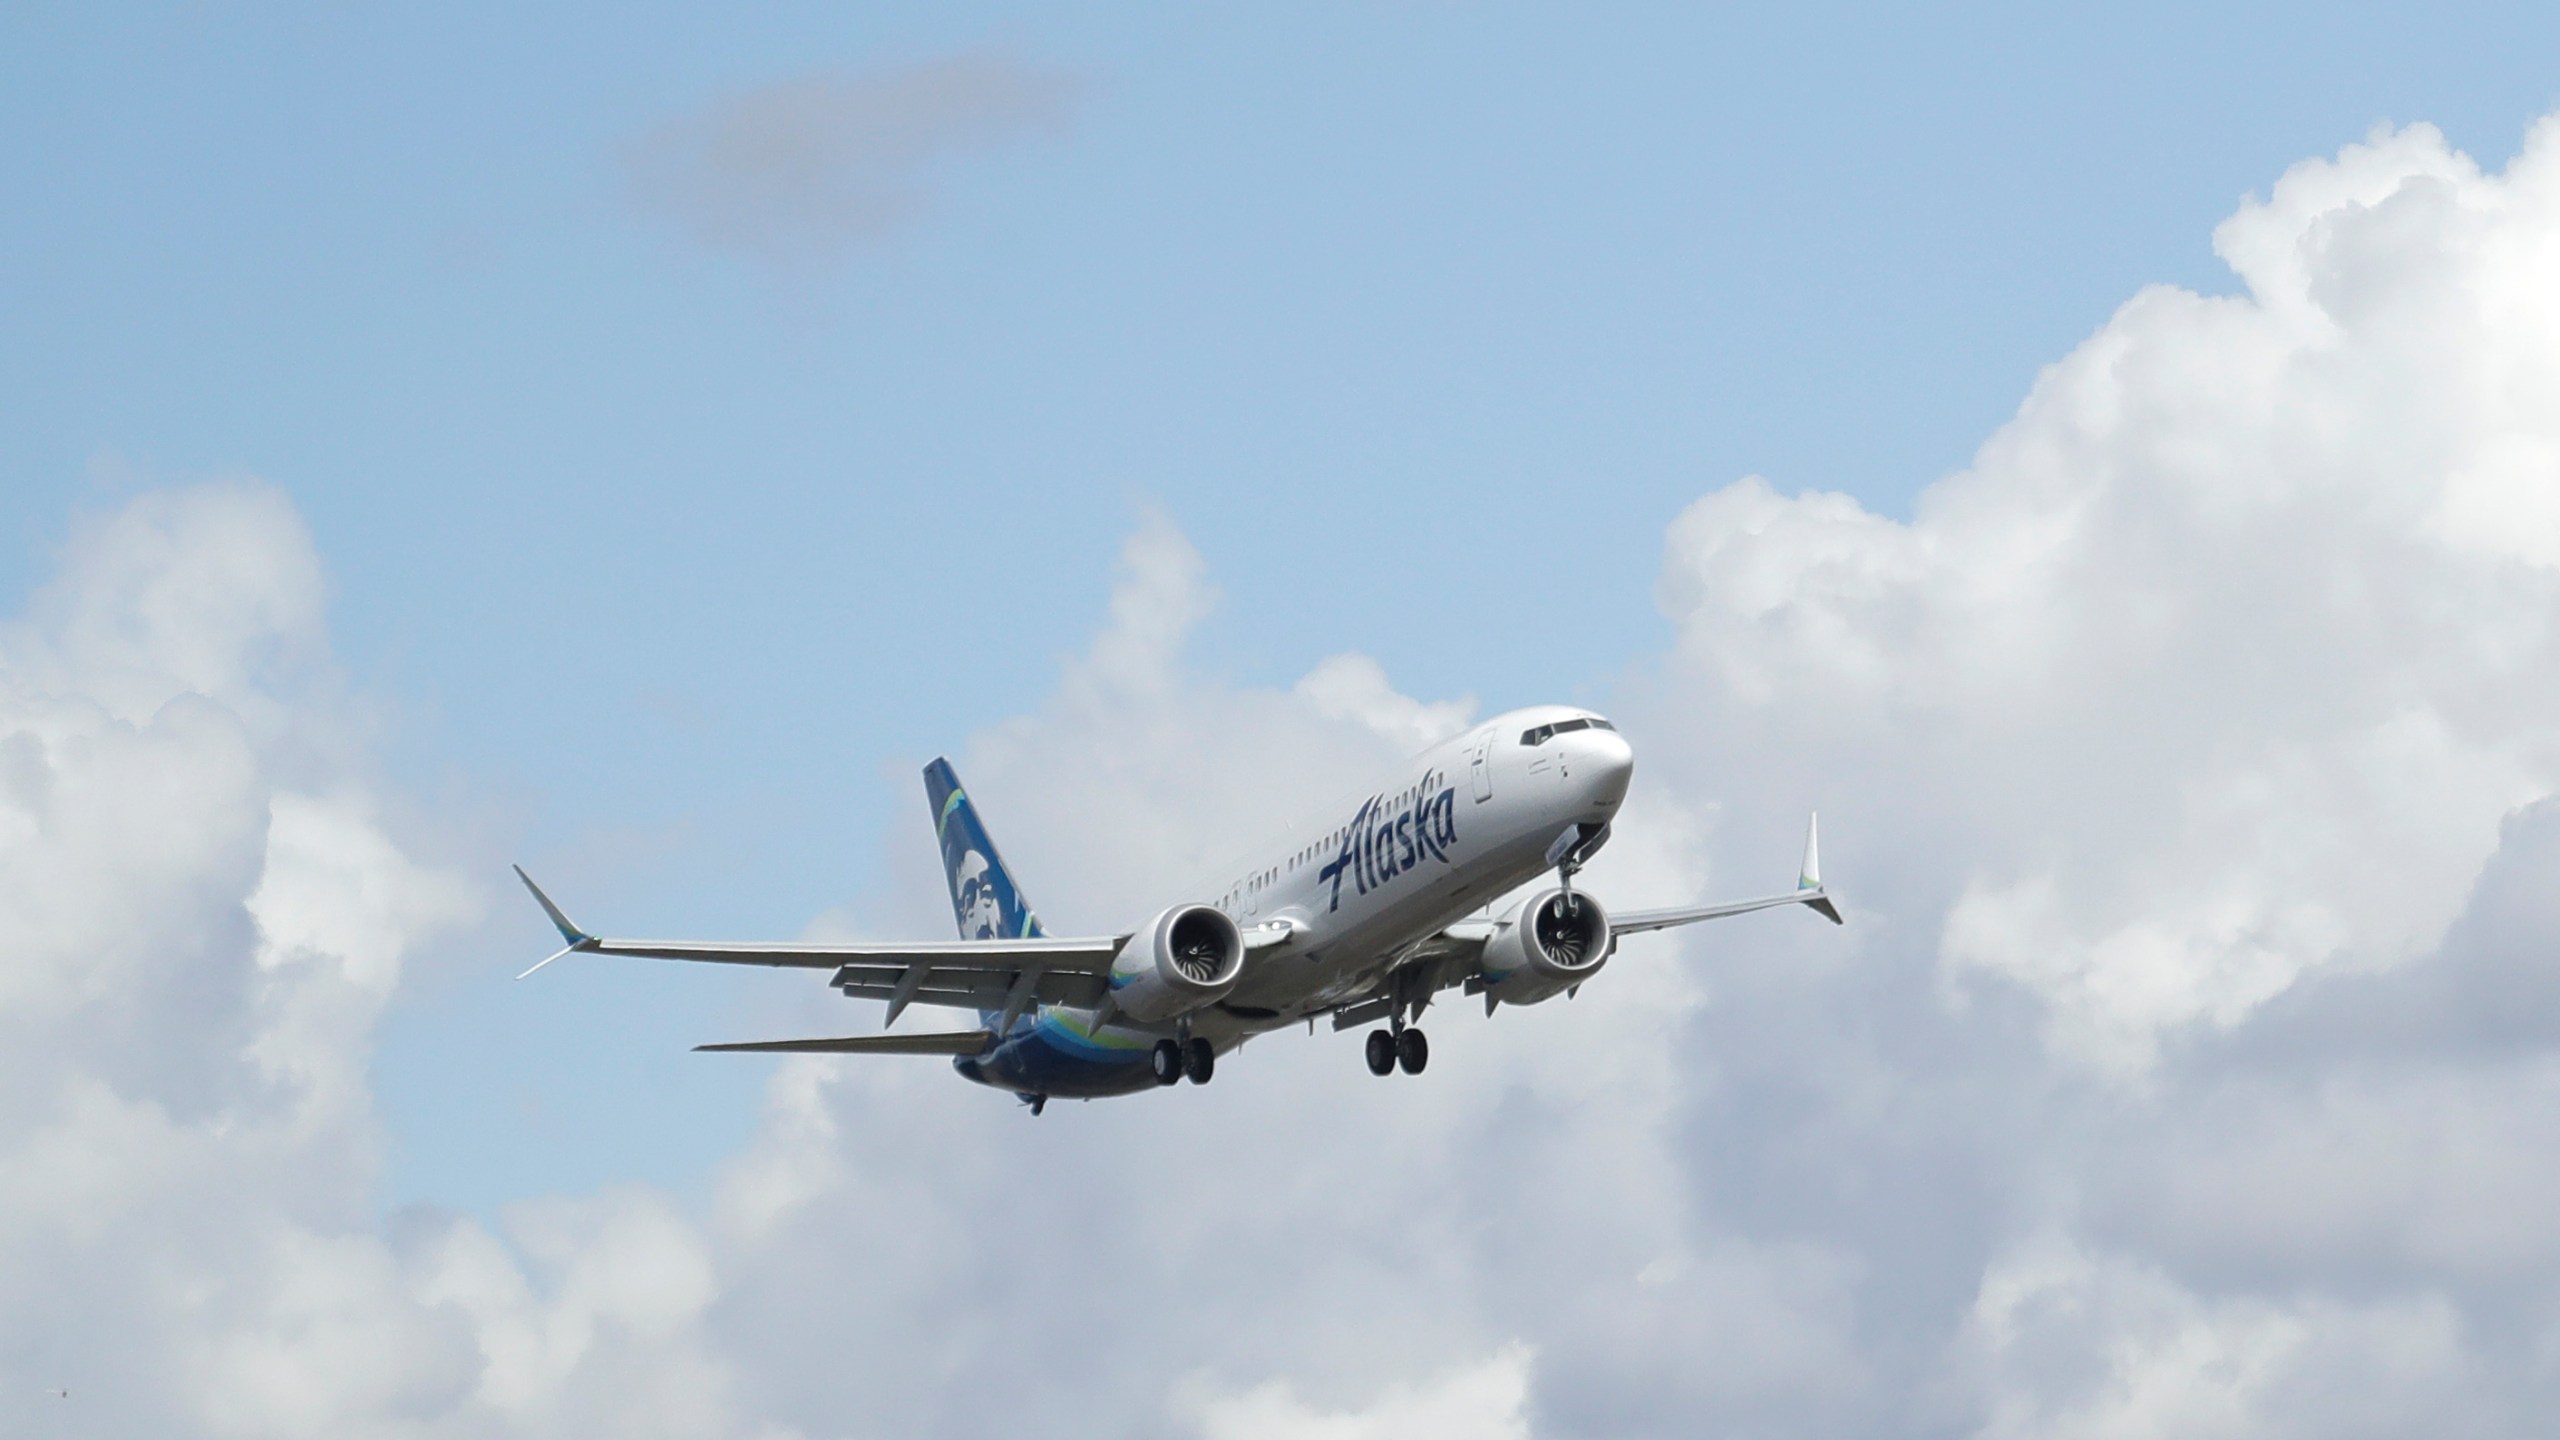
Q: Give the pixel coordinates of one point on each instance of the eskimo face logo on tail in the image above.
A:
(981, 908)
(1379, 844)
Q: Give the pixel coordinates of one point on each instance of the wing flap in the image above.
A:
(982, 989)
(960, 1042)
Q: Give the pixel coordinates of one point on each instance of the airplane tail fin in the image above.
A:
(984, 899)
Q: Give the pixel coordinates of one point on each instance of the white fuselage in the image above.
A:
(1357, 885)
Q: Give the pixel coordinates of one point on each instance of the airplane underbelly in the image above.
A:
(1034, 1069)
(1046, 1058)
(1059, 1053)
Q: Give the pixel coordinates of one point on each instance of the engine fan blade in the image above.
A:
(1198, 962)
(1553, 935)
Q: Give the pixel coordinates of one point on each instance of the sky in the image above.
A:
(2104, 463)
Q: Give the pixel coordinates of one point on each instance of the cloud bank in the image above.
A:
(203, 912)
(2187, 1067)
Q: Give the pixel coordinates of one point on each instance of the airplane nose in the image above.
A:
(1610, 762)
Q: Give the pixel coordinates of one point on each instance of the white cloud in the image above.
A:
(2109, 1349)
(1355, 687)
(212, 590)
(1143, 778)
(203, 915)
(2223, 661)
(1480, 1402)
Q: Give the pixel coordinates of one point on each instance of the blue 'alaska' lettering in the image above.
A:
(1378, 846)
(1341, 863)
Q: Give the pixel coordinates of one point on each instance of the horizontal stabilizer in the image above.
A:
(959, 1042)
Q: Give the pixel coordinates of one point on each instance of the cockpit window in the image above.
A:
(1540, 735)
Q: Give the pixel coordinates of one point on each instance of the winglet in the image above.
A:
(1809, 879)
(568, 932)
(577, 939)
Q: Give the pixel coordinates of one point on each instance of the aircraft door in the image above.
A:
(1479, 770)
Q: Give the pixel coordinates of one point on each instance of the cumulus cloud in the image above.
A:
(203, 913)
(2209, 655)
(2183, 758)
(1480, 1402)
(2185, 1068)
(802, 171)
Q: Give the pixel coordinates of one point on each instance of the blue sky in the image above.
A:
(665, 567)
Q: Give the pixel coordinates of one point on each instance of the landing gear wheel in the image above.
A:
(1412, 1051)
(1382, 1053)
(1167, 1060)
(1199, 1061)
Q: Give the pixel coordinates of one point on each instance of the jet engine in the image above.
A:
(1554, 940)
(1181, 960)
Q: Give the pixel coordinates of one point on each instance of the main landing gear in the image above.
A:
(1402, 1048)
(1174, 1059)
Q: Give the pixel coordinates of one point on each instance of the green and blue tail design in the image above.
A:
(984, 899)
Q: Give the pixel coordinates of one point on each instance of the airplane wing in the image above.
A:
(1808, 893)
(1637, 922)
(1007, 975)
(1449, 959)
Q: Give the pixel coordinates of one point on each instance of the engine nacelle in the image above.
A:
(1552, 941)
(1181, 960)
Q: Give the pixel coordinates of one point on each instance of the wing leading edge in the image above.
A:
(1006, 974)
(1808, 893)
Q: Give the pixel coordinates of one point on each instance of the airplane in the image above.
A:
(1363, 915)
